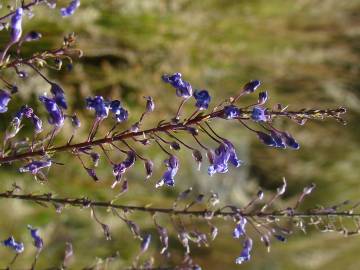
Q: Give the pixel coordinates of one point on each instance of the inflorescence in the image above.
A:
(37, 155)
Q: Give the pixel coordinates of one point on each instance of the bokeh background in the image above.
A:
(307, 55)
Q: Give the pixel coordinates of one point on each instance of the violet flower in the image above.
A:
(251, 86)
(258, 114)
(120, 168)
(70, 9)
(59, 95)
(4, 101)
(32, 36)
(18, 247)
(56, 116)
(263, 96)
(203, 99)
(150, 105)
(34, 166)
(183, 88)
(266, 139)
(172, 165)
(240, 228)
(15, 25)
(145, 243)
(99, 105)
(119, 112)
(38, 242)
(245, 254)
(290, 141)
(231, 112)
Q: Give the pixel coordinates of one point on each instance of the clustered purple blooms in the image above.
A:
(4, 101)
(245, 253)
(102, 108)
(70, 9)
(35, 166)
(278, 139)
(183, 88)
(38, 242)
(222, 155)
(202, 98)
(172, 165)
(18, 247)
(15, 25)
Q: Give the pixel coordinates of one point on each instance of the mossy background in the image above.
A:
(307, 55)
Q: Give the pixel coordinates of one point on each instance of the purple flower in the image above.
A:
(120, 168)
(219, 160)
(4, 101)
(99, 105)
(120, 113)
(231, 112)
(245, 254)
(34, 166)
(263, 96)
(25, 111)
(202, 99)
(38, 242)
(145, 243)
(32, 36)
(18, 247)
(70, 9)
(37, 123)
(278, 139)
(150, 105)
(266, 139)
(56, 116)
(172, 165)
(251, 86)
(15, 24)
(149, 165)
(59, 95)
(183, 88)
(258, 114)
(240, 228)
(290, 141)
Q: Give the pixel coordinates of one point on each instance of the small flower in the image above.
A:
(240, 228)
(149, 165)
(99, 105)
(120, 113)
(290, 141)
(34, 166)
(145, 243)
(120, 168)
(59, 95)
(4, 101)
(15, 24)
(231, 112)
(70, 9)
(263, 96)
(266, 139)
(202, 99)
(32, 36)
(258, 114)
(37, 123)
(38, 242)
(251, 86)
(172, 165)
(245, 254)
(219, 160)
(183, 88)
(56, 116)
(278, 139)
(150, 105)
(18, 247)
(75, 121)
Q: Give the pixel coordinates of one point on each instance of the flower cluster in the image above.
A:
(102, 108)
(19, 247)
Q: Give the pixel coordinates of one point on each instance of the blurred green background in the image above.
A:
(306, 53)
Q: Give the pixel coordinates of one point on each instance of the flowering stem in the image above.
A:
(310, 114)
(85, 202)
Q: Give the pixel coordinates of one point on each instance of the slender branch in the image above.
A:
(85, 202)
(308, 114)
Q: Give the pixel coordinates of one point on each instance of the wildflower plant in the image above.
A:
(258, 220)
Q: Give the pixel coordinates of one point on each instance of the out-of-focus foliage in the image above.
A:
(307, 55)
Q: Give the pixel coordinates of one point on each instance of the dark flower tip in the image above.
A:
(251, 86)
(202, 98)
(231, 112)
